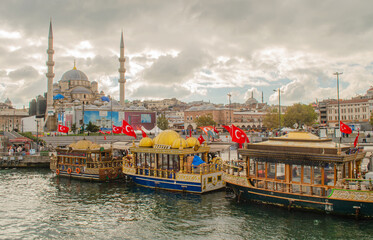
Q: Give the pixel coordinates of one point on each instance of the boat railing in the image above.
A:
(160, 173)
(207, 168)
(94, 164)
(356, 184)
(292, 187)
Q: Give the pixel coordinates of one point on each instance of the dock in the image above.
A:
(27, 161)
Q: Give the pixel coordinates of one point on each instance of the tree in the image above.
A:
(271, 119)
(300, 114)
(162, 122)
(73, 128)
(92, 128)
(205, 120)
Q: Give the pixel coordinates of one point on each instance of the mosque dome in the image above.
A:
(74, 74)
(180, 142)
(192, 141)
(166, 137)
(146, 142)
(81, 89)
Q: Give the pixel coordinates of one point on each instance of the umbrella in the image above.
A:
(58, 97)
(105, 99)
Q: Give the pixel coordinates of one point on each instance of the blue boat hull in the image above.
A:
(167, 184)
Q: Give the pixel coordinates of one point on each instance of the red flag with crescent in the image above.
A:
(201, 139)
(128, 129)
(215, 130)
(63, 129)
(345, 128)
(108, 132)
(142, 132)
(356, 139)
(117, 130)
(228, 128)
(238, 135)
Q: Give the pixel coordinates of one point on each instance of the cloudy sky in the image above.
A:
(192, 50)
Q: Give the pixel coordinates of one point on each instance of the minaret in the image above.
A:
(50, 64)
(121, 70)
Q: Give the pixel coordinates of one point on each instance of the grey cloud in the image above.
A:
(27, 72)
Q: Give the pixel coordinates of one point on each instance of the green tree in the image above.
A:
(73, 128)
(271, 119)
(92, 128)
(205, 120)
(300, 114)
(162, 122)
(371, 120)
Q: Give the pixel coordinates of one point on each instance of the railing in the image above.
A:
(296, 188)
(206, 168)
(105, 164)
(161, 173)
(357, 184)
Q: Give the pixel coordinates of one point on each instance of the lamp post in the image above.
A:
(339, 110)
(83, 117)
(279, 107)
(230, 114)
(37, 134)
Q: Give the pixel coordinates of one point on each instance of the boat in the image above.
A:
(302, 171)
(172, 163)
(87, 160)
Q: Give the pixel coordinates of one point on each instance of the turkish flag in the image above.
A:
(356, 139)
(190, 132)
(128, 129)
(117, 130)
(228, 128)
(344, 128)
(108, 132)
(238, 135)
(201, 139)
(101, 132)
(63, 129)
(142, 132)
(105, 137)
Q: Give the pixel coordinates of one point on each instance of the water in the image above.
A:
(34, 204)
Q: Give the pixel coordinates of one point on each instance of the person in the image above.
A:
(11, 151)
(19, 149)
(295, 172)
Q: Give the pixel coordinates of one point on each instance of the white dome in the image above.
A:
(74, 74)
(81, 89)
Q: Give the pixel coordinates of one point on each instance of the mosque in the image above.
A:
(74, 100)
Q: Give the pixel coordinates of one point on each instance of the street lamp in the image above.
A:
(230, 114)
(339, 111)
(279, 106)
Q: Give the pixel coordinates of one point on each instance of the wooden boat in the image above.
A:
(87, 160)
(167, 163)
(301, 171)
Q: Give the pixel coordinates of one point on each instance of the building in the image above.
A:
(10, 118)
(74, 101)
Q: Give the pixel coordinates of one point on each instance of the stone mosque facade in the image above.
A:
(75, 86)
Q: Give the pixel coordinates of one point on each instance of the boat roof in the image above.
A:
(299, 146)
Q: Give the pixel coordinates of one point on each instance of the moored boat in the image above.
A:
(302, 171)
(87, 160)
(172, 163)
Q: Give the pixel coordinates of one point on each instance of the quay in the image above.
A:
(41, 160)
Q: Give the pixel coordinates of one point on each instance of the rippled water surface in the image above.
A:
(34, 204)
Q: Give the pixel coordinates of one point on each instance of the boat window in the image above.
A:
(252, 167)
(271, 170)
(317, 175)
(280, 172)
(261, 169)
(296, 188)
(209, 180)
(296, 171)
(329, 174)
(307, 174)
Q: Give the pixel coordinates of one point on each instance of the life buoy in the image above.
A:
(58, 171)
(69, 170)
(77, 170)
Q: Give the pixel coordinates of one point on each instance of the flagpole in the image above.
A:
(339, 110)
(111, 120)
(230, 123)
